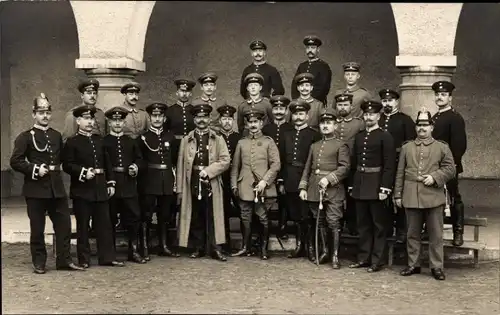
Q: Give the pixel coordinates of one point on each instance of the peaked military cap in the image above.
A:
(343, 97)
(41, 103)
(156, 108)
(201, 110)
(226, 110)
(82, 110)
(131, 87)
(371, 106)
(208, 77)
(312, 40)
(388, 93)
(326, 116)
(88, 85)
(279, 100)
(351, 66)
(185, 84)
(443, 86)
(116, 112)
(299, 105)
(423, 117)
(254, 77)
(303, 78)
(258, 44)
(253, 113)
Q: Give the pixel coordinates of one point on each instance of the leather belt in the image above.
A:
(98, 170)
(54, 168)
(322, 173)
(375, 169)
(298, 164)
(198, 167)
(179, 137)
(158, 166)
(119, 169)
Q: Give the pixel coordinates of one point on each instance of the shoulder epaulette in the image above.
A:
(268, 138)
(362, 88)
(406, 142)
(444, 142)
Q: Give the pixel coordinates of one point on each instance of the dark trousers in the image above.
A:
(161, 204)
(58, 211)
(298, 211)
(231, 209)
(350, 212)
(130, 214)
(372, 222)
(397, 218)
(201, 229)
(282, 210)
(457, 206)
(101, 222)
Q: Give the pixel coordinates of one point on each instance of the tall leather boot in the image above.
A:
(265, 241)
(246, 232)
(163, 249)
(324, 256)
(299, 241)
(145, 241)
(335, 248)
(400, 225)
(458, 223)
(311, 240)
(282, 220)
(133, 253)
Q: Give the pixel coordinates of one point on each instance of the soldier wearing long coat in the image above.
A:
(218, 162)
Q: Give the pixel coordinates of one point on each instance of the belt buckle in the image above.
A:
(317, 171)
(52, 167)
(362, 169)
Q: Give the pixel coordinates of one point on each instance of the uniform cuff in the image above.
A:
(83, 173)
(303, 185)
(384, 190)
(279, 180)
(333, 179)
(34, 173)
(111, 183)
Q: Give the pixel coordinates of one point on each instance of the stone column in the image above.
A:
(426, 37)
(111, 37)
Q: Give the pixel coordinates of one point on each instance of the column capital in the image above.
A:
(426, 61)
(110, 63)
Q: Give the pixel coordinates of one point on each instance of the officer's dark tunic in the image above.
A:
(156, 181)
(231, 140)
(180, 122)
(124, 151)
(322, 79)
(90, 196)
(294, 150)
(32, 148)
(372, 167)
(273, 84)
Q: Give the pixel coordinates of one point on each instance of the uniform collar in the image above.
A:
(210, 132)
(131, 109)
(426, 141)
(304, 126)
(182, 104)
(279, 123)
(329, 138)
(202, 133)
(37, 126)
(116, 134)
(308, 100)
(255, 135)
(372, 128)
(84, 133)
(389, 115)
(313, 60)
(258, 63)
(226, 133)
(346, 119)
(206, 98)
(352, 88)
(447, 108)
(250, 101)
(156, 131)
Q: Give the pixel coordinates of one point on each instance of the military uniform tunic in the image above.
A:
(71, 128)
(400, 126)
(273, 84)
(136, 122)
(347, 129)
(317, 108)
(276, 131)
(200, 160)
(359, 95)
(215, 102)
(180, 122)
(261, 104)
(322, 79)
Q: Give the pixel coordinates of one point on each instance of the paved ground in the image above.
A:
(244, 286)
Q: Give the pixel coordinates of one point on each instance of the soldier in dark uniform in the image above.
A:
(327, 165)
(231, 207)
(255, 166)
(449, 126)
(137, 120)
(125, 159)
(92, 184)
(304, 83)
(88, 89)
(360, 94)
(272, 83)
(275, 130)
(255, 101)
(208, 85)
(157, 180)
(402, 129)
(347, 129)
(371, 182)
(317, 67)
(293, 153)
(37, 154)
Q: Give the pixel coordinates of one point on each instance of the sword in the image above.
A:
(316, 230)
(199, 188)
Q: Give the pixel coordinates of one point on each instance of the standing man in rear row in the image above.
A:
(272, 84)
(317, 67)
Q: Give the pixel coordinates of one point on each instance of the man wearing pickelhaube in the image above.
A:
(37, 154)
(125, 157)
(137, 120)
(352, 75)
(256, 164)
(208, 86)
(317, 67)
(425, 166)
(402, 129)
(89, 91)
(272, 83)
(203, 158)
(156, 181)
(449, 126)
(231, 206)
(370, 184)
(92, 185)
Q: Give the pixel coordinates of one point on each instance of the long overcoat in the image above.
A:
(219, 161)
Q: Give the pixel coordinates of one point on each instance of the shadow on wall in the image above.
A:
(477, 97)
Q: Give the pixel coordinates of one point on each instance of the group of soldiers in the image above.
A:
(357, 162)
